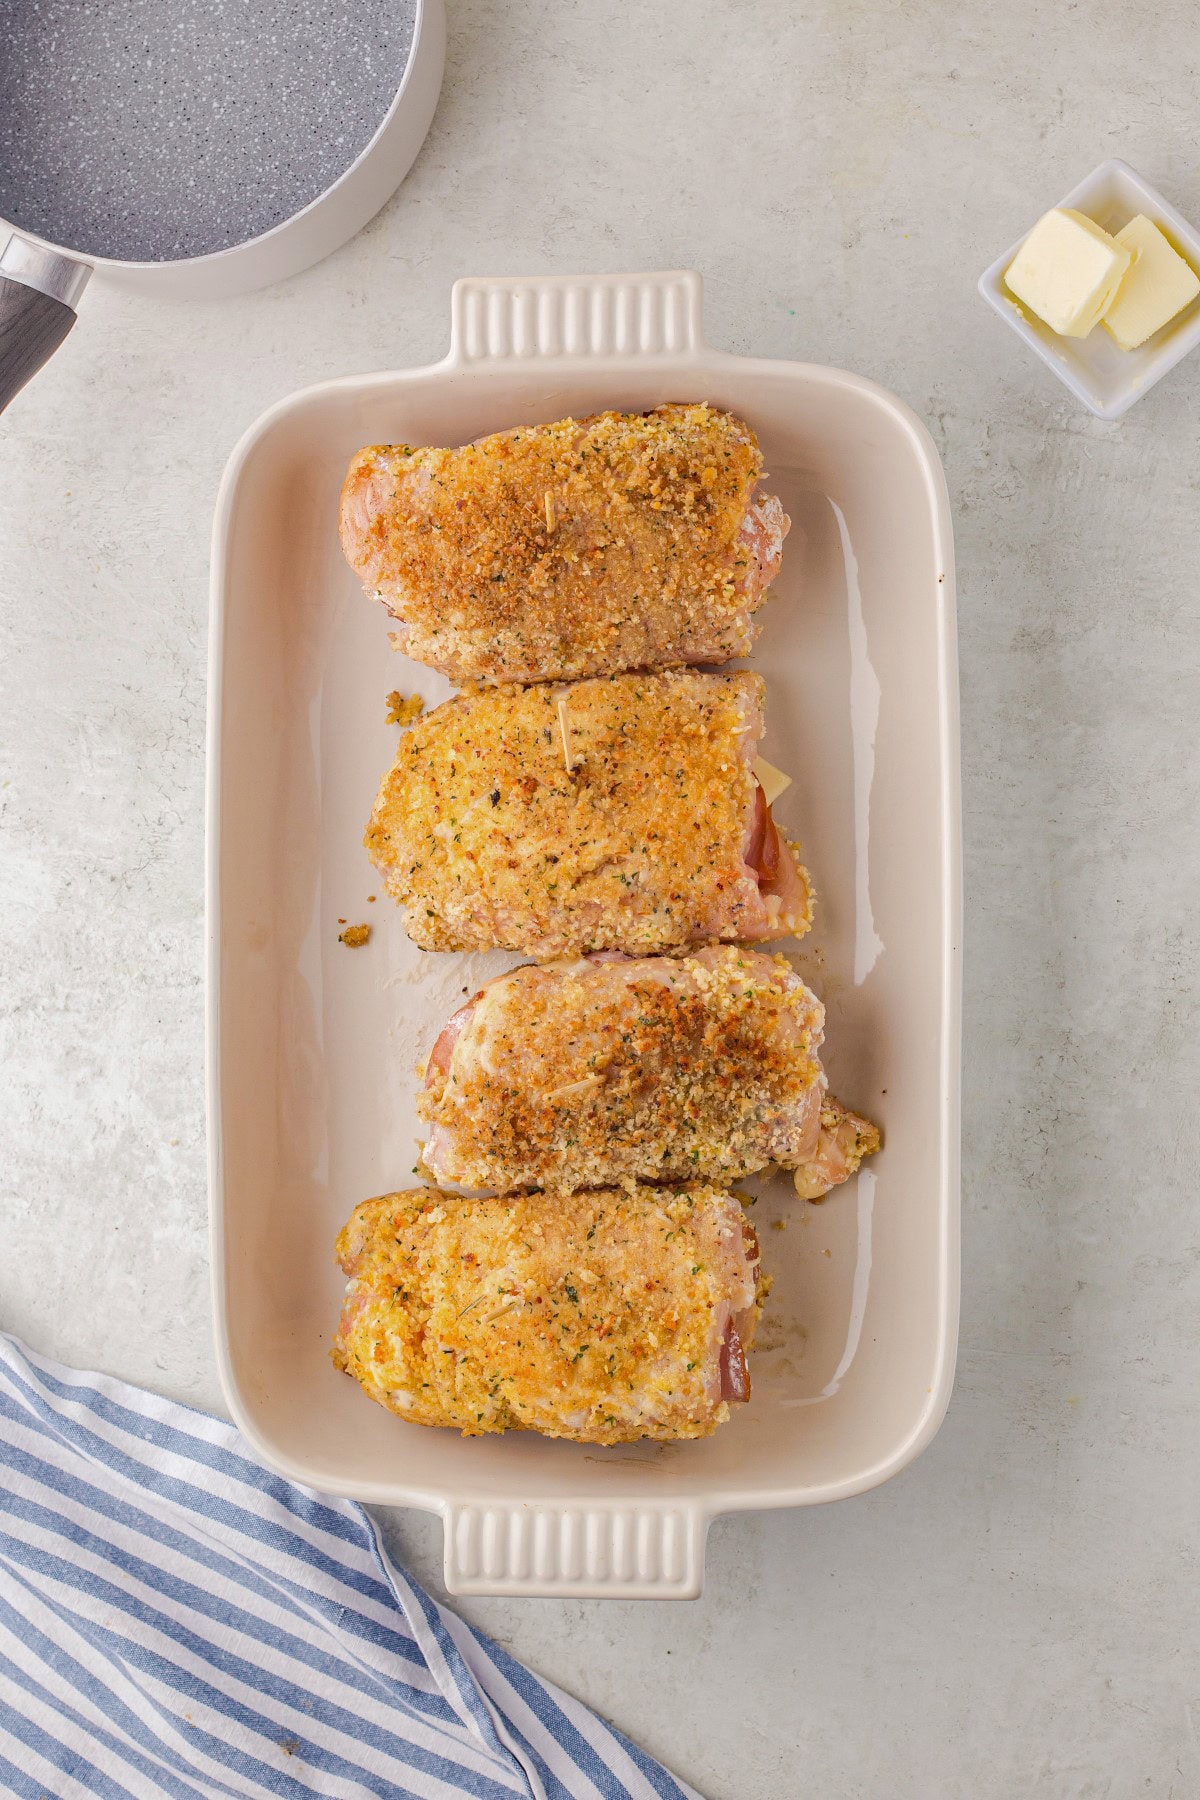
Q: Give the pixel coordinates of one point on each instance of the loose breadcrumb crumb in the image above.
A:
(354, 936)
(401, 711)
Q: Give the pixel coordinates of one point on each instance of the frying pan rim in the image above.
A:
(210, 258)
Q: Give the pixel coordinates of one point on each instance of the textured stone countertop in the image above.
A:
(1016, 1614)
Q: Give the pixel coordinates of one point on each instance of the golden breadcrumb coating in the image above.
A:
(619, 1317)
(596, 1071)
(580, 548)
(487, 839)
(622, 541)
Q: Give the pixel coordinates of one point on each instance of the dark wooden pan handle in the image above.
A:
(32, 326)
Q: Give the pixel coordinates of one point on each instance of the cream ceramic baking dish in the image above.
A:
(312, 1046)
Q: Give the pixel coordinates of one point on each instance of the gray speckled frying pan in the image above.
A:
(195, 147)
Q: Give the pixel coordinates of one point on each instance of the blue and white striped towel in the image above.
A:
(176, 1620)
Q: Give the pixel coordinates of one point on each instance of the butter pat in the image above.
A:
(1158, 285)
(1067, 271)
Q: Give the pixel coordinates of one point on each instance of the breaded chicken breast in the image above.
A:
(589, 1072)
(618, 814)
(548, 552)
(624, 1315)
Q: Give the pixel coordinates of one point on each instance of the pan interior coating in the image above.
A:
(153, 130)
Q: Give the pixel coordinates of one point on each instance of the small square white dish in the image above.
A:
(312, 1048)
(1106, 379)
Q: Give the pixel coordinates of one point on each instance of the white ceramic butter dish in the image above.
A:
(1107, 379)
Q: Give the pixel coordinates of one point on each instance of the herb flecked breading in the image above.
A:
(601, 1321)
(487, 839)
(575, 548)
(586, 1073)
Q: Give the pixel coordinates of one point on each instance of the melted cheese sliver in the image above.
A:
(771, 780)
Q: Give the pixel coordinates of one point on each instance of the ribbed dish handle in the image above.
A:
(546, 317)
(576, 1552)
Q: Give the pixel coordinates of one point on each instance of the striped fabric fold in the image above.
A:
(177, 1620)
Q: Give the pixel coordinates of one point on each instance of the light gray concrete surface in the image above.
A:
(1016, 1615)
